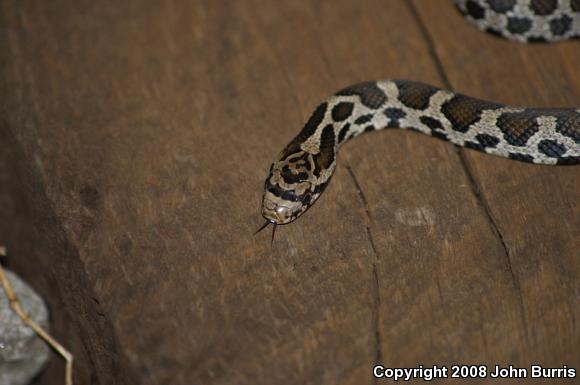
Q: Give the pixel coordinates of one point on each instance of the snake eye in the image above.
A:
(288, 196)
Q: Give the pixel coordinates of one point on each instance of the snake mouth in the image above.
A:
(279, 213)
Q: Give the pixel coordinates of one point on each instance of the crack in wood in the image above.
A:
(438, 284)
(375, 285)
(470, 177)
(482, 201)
(430, 44)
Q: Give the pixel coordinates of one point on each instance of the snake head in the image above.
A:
(290, 189)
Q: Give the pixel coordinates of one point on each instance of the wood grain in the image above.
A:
(534, 211)
(145, 130)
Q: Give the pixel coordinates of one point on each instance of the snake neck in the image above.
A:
(536, 135)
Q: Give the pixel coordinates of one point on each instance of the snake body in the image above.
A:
(303, 169)
(525, 20)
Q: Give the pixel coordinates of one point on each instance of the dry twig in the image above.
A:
(17, 307)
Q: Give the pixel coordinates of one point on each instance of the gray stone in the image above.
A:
(22, 353)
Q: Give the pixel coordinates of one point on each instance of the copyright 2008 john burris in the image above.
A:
(429, 373)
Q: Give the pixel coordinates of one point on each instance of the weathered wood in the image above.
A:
(534, 211)
(146, 129)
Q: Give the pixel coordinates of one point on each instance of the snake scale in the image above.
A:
(550, 136)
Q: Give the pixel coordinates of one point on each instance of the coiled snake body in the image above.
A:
(536, 135)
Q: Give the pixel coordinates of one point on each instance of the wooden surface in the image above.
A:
(143, 130)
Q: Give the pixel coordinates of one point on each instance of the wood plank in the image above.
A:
(534, 209)
(149, 128)
(138, 119)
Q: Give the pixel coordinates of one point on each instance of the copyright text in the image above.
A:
(429, 373)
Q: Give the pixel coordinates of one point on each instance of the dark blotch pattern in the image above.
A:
(369, 128)
(536, 39)
(276, 190)
(301, 161)
(575, 5)
(494, 32)
(369, 93)
(342, 132)
(561, 25)
(325, 157)
(291, 176)
(521, 157)
(519, 25)
(289, 196)
(518, 127)
(568, 160)
(394, 114)
(487, 140)
(567, 124)
(474, 10)
(364, 119)
(439, 134)
(501, 6)
(430, 122)
(415, 95)
(474, 146)
(319, 189)
(309, 129)
(305, 163)
(292, 148)
(551, 148)
(463, 111)
(314, 121)
(544, 7)
(342, 111)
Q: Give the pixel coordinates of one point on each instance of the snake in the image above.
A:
(550, 136)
